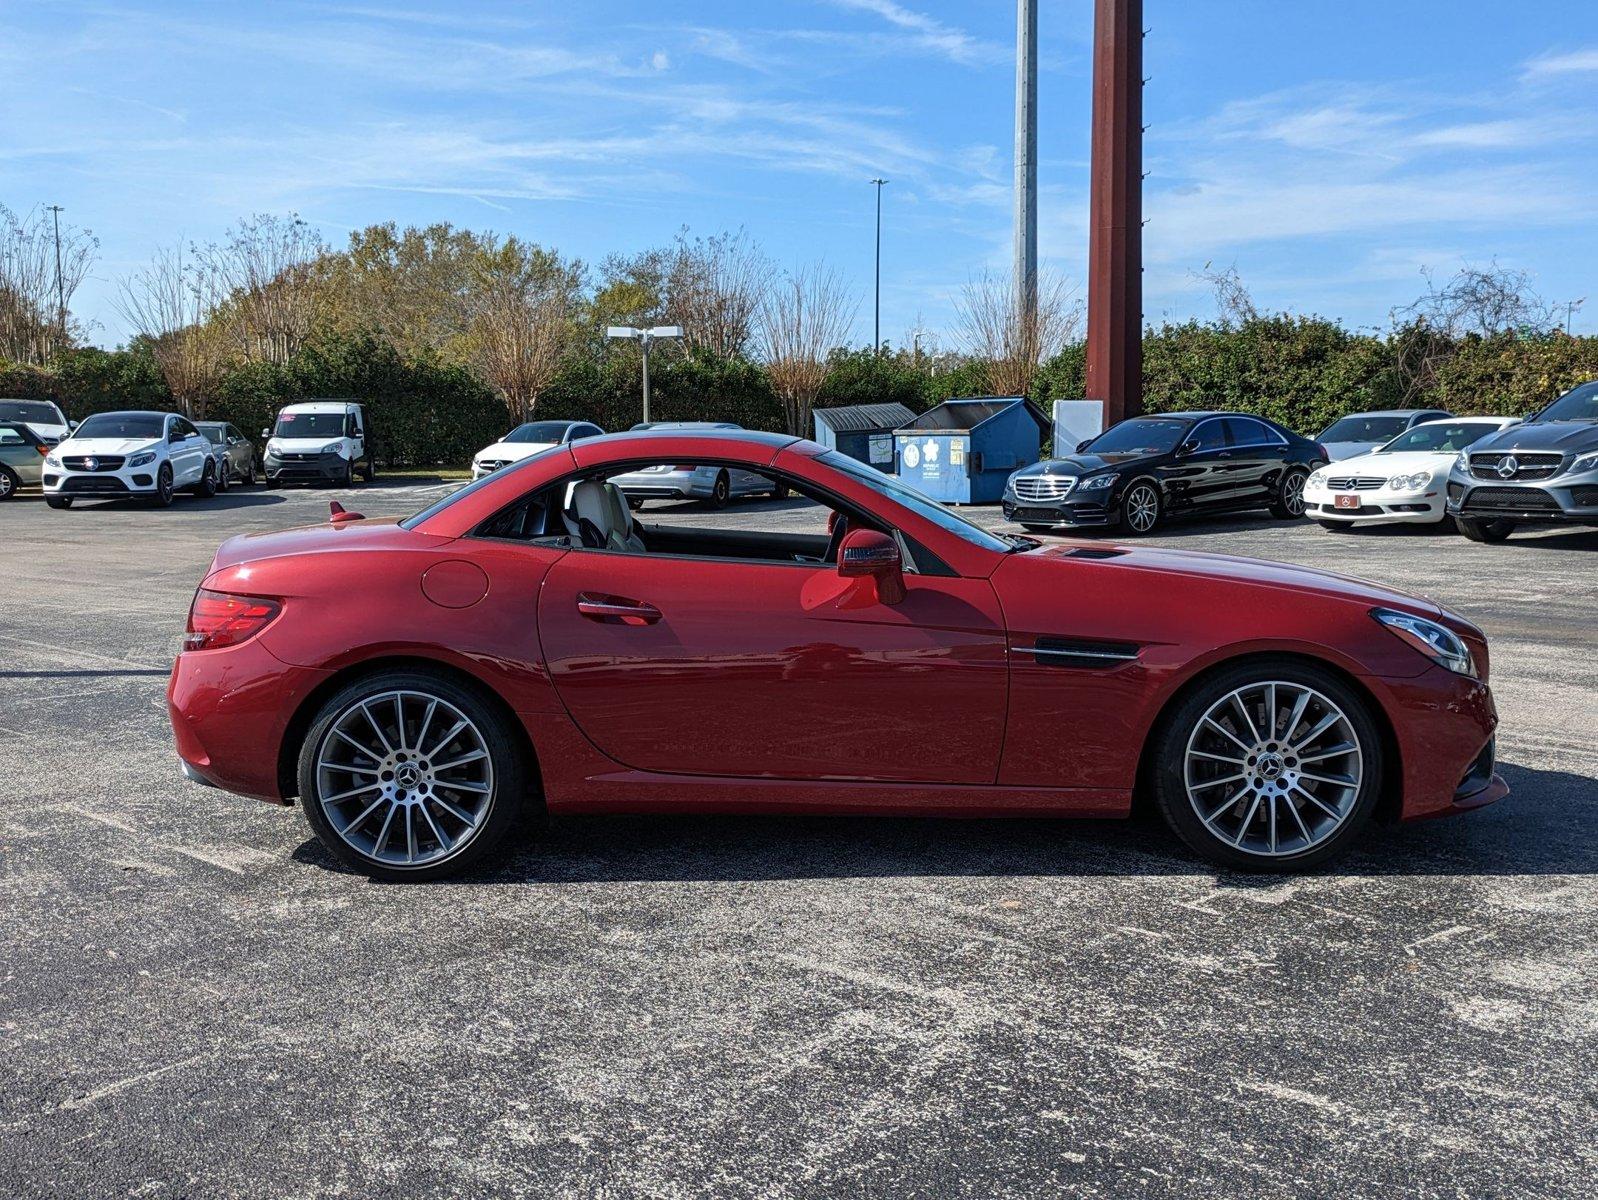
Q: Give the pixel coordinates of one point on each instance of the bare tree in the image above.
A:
(802, 317)
(1011, 343)
(520, 314)
(34, 299)
(714, 288)
(1232, 299)
(267, 269)
(1475, 302)
(171, 303)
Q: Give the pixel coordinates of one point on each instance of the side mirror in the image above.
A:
(865, 553)
(1083, 444)
(1188, 447)
(72, 424)
(266, 433)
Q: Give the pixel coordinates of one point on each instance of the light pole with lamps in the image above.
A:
(644, 337)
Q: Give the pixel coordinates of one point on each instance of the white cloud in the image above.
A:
(929, 33)
(1569, 63)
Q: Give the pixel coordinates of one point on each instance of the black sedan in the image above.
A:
(1145, 469)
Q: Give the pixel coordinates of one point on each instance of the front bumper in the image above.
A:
(1380, 506)
(1079, 509)
(1445, 726)
(99, 485)
(1571, 499)
(309, 469)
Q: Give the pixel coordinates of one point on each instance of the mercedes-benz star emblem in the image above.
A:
(91, 464)
(1507, 467)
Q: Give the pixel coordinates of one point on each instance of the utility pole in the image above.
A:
(644, 337)
(876, 324)
(60, 291)
(1026, 159)
(1114, 374)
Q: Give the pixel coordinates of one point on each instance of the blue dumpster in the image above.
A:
(863, 431)
(962, 451)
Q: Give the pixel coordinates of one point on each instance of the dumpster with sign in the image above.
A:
(863, 431)
(962, 451)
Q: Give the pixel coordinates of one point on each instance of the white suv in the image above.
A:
(121, 454)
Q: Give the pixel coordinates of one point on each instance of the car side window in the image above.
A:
(1246, 432)
(174, 430)
(1208, 435)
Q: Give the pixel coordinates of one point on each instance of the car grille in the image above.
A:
(488, 464)
(1527, 465)
(300, 458)
(1355, 483)
(1522, 499)
(1044, 487)
(87, 483)
(80, 462)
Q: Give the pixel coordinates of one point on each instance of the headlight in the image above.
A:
(1587, 462)
(1410, 483)
(271, 447)
(51, 460)
(1462, 463)
(142, 459)
(1317, 478)
(1097, 482)
(1437, 642)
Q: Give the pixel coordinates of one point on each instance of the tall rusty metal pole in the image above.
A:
(1115, 245)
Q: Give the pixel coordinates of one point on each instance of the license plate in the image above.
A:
(1345, 501)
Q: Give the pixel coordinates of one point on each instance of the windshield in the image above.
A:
(122, 425)
(1439, 436)
(1578, 404)
(1364, 429)
(309, 425)
(40, 412)
(1140, 436)
(538, 431)
(922, 506)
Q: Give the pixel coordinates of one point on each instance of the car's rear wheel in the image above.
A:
(9, 483)
(409, 775)
(1141, 508)
(249, 476)
(721, 491)
(206, 488)
(221, 476)
(1484, 531)
(1272, 765)
(1289, 502)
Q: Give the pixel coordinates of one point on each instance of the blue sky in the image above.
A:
(1327, 150)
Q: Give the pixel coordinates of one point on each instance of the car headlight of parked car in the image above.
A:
(1462, 463)
(1095, 483)
(142, 459)
(1410, 483)
(1317, 478)
(52, 459)
(1587, 462)
(1437, 642)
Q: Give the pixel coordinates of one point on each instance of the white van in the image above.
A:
(319, 441)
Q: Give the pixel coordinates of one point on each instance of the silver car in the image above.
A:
(235, 453)
(686, 481)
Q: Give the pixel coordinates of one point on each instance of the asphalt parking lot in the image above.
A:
(194, 1001)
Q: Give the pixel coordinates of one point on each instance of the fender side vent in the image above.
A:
(1083, 655)
(1092, 552)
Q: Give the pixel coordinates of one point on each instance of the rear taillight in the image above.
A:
(44, 451)
(217, 619)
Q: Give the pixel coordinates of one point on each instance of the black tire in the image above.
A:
(1166, 757)
(1142, 497)
(58, 501)
(10, 482)
(780, 492)
(163, 487)
(222, 476)
(1336, 526)
(368, 470)
(249, 476)
(273, 482)
(635, 503)
(1484, 531)
(507, 802)
(206, 488)
(721, 491)
(346, 477)
(1289, 502)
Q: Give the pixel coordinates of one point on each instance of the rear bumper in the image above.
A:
(230, 709)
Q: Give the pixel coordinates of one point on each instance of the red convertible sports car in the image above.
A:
(529, 645)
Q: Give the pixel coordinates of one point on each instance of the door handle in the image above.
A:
(616, 608)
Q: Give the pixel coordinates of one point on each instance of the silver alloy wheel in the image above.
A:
(405, 778)
(5, 484)
(1293, 493)
(1142, 506)
(1273, 768)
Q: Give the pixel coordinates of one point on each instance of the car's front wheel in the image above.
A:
(409, 775)
(1484, 531)
(163, 486)
(1141, 508)
(1271, 765)
(721, 491)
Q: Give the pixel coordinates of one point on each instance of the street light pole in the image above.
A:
(876, 322)
(645, 337)
(60, 291)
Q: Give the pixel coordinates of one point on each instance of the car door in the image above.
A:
(186, 465)
(355, 430)
(759, 668)
(1195, 476)
(1257, 455)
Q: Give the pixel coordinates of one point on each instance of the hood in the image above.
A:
(1173, 565)
(1338, 451)
(305, 445)
(1570, 437)
(1082, 464)
(511, 451)
(1405, 462)
(46, 431)
(381, 533)
(113, 446)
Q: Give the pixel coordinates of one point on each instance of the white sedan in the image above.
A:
(527, 440)
(1404, 481)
